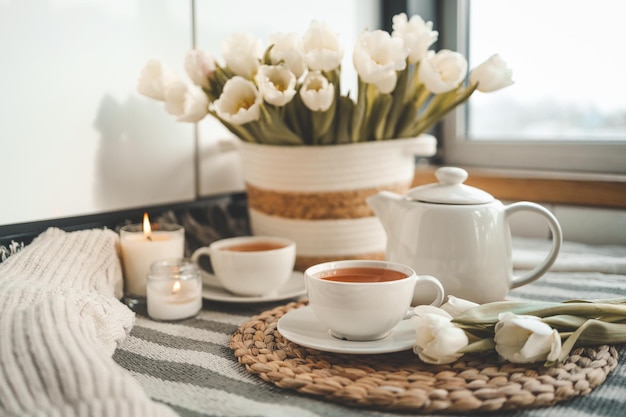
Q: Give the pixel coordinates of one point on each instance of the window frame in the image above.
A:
(547, 155)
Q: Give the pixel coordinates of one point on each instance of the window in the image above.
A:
(567, 110)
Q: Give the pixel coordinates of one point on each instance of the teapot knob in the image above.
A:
(451, 175)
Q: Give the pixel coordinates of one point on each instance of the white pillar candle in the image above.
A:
(174, 290)
(141, 247)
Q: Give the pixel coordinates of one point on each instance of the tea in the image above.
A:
(254, 247)
(362, 274)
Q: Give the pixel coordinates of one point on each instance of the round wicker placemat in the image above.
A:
(400, 381)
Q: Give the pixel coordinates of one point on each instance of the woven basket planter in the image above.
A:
(315, 195)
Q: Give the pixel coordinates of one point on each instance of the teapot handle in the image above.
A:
(557, 239)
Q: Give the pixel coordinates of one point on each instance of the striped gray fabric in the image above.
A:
(189, 366)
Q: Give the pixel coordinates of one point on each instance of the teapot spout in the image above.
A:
(382, 204)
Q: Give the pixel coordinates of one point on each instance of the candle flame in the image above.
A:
(147, 230)
(176, 287)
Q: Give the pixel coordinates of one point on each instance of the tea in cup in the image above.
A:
(251, 265)
(363, 300)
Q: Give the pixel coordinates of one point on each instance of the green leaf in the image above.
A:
(413, 112)
(322, 121)
(293, 111)
(482, 345)
(274, 130)
(378, 115)
(344, 116)
(601, 301)
(439, 106)
(564, 322)
(413, 85)
(592, 333)
(596, 332)
(217, 81)
(407, 119)
(241, 131)
(398, 103)
(358, 115)
(266, 56)
(488, 313)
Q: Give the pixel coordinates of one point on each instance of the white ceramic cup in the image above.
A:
(251, 265)
(362, 311)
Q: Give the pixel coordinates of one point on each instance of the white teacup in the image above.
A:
(251, 265)
(364, 300)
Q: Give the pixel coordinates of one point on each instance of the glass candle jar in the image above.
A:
(174, 289)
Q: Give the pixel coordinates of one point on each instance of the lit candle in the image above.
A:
(141, 246)
(174, 290)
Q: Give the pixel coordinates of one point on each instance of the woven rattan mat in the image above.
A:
(400, 381)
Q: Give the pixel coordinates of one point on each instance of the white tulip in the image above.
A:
(438, 340)
(322, 50)
(491, 75)
(377, 56)
(174, 97)
(457, 306)
(424, 309)
(199, 66)
(417, 35)
(526, 339)
(190, 104)
(153, 78)
(288, 49)
(242, 53)
(239, 102)
(276, 83)
(195, 107)
(316, 92)
(442, 71)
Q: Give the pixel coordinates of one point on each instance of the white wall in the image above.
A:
(75, 137)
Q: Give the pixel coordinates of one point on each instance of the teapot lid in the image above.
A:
(450, 189)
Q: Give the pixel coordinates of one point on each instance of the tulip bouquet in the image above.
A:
(519, 331)
(289, 93)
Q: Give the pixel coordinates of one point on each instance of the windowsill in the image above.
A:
(593, 190)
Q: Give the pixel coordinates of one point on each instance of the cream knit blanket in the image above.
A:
(60, 321)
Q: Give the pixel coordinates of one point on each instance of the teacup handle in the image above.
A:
(427, 280)
(434, 282)
(209, 279)
(557, 239)
(204, 250)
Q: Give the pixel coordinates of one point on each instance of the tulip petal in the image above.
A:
(423, 310)
(417, 35)
(457, 306)
(377, 56)
(276, 83)
(492, 75)
(524, 339)
(242, 53)
(199, 66)
(316, 92)
(287, 48)
(442, 71)
(321, 47)
(438, 340)
(239, 102)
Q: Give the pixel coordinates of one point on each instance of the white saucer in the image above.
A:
(302, 327)
(212, 290)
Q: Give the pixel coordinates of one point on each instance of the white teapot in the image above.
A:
(460, 235)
